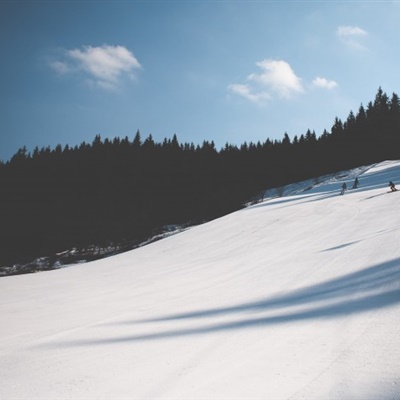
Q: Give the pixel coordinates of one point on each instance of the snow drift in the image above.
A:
(294, 298)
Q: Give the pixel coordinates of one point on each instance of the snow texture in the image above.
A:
(296, 297)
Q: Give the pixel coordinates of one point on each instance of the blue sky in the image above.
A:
(228, 71)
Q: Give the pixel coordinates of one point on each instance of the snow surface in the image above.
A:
(294, 298)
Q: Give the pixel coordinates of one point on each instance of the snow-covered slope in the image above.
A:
(293, 298)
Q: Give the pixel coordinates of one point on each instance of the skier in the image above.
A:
(355, 185)
(392, 186)
(344, 188)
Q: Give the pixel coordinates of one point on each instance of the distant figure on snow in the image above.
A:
(344, 188)
(355, 184)
(392, 186)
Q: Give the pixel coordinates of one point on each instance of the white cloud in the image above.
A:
(104, 66)
(350, 31)
(352, 36)
(276, 78)
(324, 83)
(246, 92)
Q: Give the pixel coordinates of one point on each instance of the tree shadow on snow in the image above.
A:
(372, 288)
(352, 285)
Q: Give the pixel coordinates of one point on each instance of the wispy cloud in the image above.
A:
(247, 92)
(103, 66)
(324, 83)
(350, 31)
(276, 79)
(352, 36)
(60, 67)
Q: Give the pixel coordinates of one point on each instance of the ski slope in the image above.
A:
(297, 297)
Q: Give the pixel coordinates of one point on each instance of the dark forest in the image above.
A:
(125, 190)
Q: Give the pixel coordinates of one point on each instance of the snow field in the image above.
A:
(294, 298)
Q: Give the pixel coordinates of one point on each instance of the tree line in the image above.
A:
(123, 190)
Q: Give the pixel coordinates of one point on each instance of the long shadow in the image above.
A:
(341, 246)
(357, 282)
(285, 199)
(299, 199)
(369, 289)
(350, 307)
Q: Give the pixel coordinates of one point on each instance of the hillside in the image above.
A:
(113, 194)
(297, 297)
